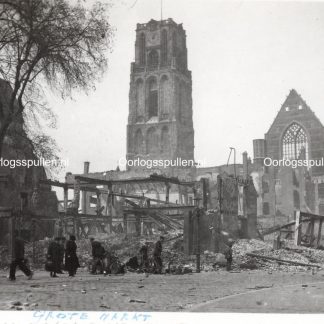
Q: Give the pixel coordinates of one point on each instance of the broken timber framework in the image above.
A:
(302, 229)
(140, 208)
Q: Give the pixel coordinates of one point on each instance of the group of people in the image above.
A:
(58, 250)
(103, 260)
(156, 265)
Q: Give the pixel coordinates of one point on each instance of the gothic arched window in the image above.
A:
(153, 58)
(142, 49)
(182, 101)
(165, 96)
(164, 47)
(139, 142)
(152, 98)
(295, 143)
(165, 140)
(140, 102)
(152, 141)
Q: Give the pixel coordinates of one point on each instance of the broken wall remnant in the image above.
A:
(235, 216)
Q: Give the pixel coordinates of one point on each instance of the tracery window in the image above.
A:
(139, 142)
(153, 98)
(152, 141)
(142, 49)
(295, 143)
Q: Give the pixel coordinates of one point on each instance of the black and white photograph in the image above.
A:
(161, 156)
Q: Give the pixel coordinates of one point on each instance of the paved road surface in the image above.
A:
(257, 291)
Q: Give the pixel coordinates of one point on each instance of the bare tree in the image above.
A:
(48, 41)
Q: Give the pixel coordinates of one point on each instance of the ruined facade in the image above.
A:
(296, 134)
(160, 103)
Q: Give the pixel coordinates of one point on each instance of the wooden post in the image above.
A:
(316, 198)
(76, 204)
(65, 201)
(125, 223)
(11, 228)
(65, 206)
(167, 192)
(311, 234)
(298, 230)
(319, 234)
(186, 198)
(34, 240)
(109, 206)
(180, 195)
(142, 227)
(198, 242)
(205, 195)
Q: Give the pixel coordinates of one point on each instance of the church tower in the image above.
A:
(160, 122)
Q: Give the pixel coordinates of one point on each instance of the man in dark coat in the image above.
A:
(229, 255)
(54, 255)
(71, 259)
(98, 253)
(19, 259)
(157, 255)
(62, 251)
(144, 257)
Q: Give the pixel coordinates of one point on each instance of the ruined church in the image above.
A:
(160, 126)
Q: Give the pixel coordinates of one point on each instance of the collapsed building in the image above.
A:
(141, 199)
(202, 203)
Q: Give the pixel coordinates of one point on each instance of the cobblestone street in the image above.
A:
(191, 292)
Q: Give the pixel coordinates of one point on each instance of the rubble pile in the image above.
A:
(36, 252)
(176, 262)
(313, 255)
(288, 252)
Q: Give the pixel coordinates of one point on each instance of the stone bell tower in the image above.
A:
(160, 98)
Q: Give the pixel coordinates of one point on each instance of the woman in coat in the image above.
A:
(53, 255)
(71, 259)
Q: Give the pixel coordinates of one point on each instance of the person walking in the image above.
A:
(71, 258)
(62, 251)
(54, 256)
(144, 265)
(157, 256)
(229, 255)
(18, 259)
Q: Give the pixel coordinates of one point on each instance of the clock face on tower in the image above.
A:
(153, 39)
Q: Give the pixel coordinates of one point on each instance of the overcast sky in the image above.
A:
(244, 58)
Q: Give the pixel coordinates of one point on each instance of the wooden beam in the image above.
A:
(282, 261)
(312, 216)
(153, 208)
(54, 183)
(140, 198)
(151, 179)
(298, 226)
(167, 193)
(311, 234)
(319, 233)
